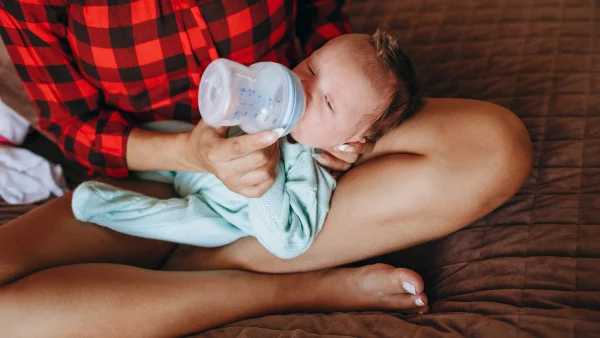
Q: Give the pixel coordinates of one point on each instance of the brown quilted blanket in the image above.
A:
(532, 267)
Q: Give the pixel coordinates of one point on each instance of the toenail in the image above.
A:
(419, 302)
(409, 288)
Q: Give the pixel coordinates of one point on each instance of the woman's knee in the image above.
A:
(500, 147)
(508, 144)
(483, 146)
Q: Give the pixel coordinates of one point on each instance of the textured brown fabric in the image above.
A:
(532, 267)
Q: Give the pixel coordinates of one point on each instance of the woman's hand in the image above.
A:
(340, 159)
(245, 164)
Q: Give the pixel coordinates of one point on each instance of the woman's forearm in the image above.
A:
(151, 150)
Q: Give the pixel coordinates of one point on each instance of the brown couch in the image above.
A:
(532, 267)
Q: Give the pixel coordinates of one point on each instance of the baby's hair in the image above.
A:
(406, 98)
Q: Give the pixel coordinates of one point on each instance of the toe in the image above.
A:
(415, 310)
(403, 301)
(388, 280)
(408, 281)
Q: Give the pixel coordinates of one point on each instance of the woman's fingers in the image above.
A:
(240, 146)
(232, 158)
(254, 160)
(331, 162)
(355, 148)
(342, 157)
(257, 182)
(256, 191)
(256, 175)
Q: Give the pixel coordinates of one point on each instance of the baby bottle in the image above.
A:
(264, 96)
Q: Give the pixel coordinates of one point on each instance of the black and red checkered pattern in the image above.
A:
(96, 68)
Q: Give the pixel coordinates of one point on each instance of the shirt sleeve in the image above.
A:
(70, 108)
(288, 217)
(319, 21)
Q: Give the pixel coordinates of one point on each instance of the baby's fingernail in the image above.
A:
(419, 302)
(420, 312)
(409, 288)
(279, 132)
(320, 158)
(347, 148)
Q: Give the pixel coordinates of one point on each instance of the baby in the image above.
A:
(358, 87)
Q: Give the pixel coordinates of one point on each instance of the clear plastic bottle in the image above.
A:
(264, 96)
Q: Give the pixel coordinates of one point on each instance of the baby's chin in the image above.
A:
(298, 136)
(310, 135)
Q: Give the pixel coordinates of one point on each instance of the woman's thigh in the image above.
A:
(50, 236)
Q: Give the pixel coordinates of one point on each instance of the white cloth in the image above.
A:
(13, 126)
(28, 178)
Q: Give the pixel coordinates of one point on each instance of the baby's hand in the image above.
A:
(340, 159)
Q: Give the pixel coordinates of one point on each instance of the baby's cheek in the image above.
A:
(316, 132)
(308, 135)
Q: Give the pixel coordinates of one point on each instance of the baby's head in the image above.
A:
(358, 87)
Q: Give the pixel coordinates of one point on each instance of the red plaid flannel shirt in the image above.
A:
(96, 68)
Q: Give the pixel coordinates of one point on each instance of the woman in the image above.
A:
(96, 70)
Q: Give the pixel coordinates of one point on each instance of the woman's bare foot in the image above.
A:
(373, 287)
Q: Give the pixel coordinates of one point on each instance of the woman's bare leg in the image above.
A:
(451, 164)
(54, 282)
(50, 236)
(107, 300)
